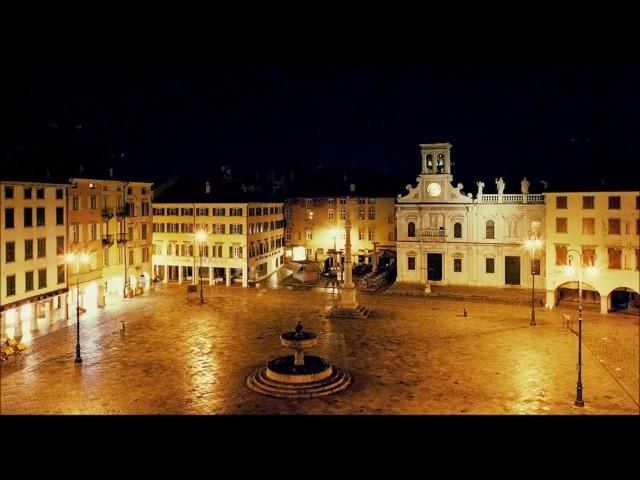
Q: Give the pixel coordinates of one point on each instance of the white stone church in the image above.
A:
(448, 238)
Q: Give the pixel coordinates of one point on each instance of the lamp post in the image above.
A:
(579, 402)
(533, 244)
(77, 258)
(201, 236)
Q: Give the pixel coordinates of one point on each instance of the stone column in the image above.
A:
(17, 326)
(227, 276)
(605, 304)
(375, 256)
(3, 326)
(101, 294)
(48, 312)
(165, 272)
(211, 275)
(180, 274)
(34, 316)
(65, 301)
(551, 300)
(245, 274)
(348, 295)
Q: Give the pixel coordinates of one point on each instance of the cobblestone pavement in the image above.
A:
(413, 356)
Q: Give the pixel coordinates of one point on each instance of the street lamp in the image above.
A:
(569, 270)
(77, 258)
(201, 236)
(533, 245)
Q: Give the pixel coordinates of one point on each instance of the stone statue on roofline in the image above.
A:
(524, 186)
(500, 183)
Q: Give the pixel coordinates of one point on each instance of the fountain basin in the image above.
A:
(306, 339)
(283, 369)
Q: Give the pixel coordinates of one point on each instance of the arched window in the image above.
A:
(440, 162)
(457, 230)
(411, 230)
(430, 162)
(490, 229)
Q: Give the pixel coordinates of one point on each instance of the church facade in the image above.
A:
(446, 237)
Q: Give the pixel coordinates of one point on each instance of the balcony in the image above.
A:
(107, 240)
(107, 213)
(512, 198)
(433, 235)
(122, 212)
(123, 238)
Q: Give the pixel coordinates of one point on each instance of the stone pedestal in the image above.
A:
(101, 296)
(17, 330)
(34, 316)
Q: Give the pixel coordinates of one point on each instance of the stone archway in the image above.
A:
(622, 298)
(568, 292)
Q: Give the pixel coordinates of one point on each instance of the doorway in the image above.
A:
(434, 267)
(512, 270)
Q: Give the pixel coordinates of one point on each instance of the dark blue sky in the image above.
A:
(535, 120)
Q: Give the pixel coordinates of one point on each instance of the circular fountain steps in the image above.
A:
(337, 381)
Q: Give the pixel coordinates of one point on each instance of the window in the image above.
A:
(588, 202)
(372, 200)
(372, 213)
(287, 236)
(361, 234)
(343, 214)
(372, 234)
(75, 233)
(75, 202)
(457, 265)
(8, 218)
(343, 201)
(309, 234)
(588, 256)
(59, 215)
(40, 216)
(429, 160)
(588, 226)
(411, 230)
(637, 258)
(10, 254)
(28, 217)
(457, 230)
(561, 202)
(144, 231)
(235, 229)
(361, 214)
(308, 214)
(561, 254)
(637, 227)
(42, 278)
(59, 245)
(614, 203)
(27, 193)
(60, 274)
(28, 249)
(28, 281)
(490, 230)
(332, 201)
(129, 191)
(637, 202)
(331, 214)
(287, 213)
(615, 256)
(614, 226)
(561, 225)
(131, 257)
(145, 254)
(8, 193)
(40, 193)
(92, 202)
(42, 247)
(218, 228)
(535, 267)
(130, 235)
(490, 265)
(308, 202)
(11, 285)
(59, 194)
(93, 231)
(411, 263)
(145, 209)
(235, 212)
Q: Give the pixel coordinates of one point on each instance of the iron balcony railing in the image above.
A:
(107, 240)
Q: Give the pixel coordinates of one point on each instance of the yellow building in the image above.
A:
(111, 221)
(602, 229)
(33, 281)
(243, 242)
(317, 225)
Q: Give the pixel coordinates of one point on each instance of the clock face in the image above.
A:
(434, 189)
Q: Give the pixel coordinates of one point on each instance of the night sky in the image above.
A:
(545, 122)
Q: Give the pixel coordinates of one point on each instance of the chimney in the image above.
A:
(207, 187)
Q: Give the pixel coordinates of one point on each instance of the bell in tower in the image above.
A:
(436, 158)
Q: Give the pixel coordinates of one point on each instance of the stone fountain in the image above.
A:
(299, 375)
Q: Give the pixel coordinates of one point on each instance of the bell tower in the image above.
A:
(436, 158)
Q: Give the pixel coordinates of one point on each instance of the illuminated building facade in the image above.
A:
(604, 229)
(111, 221)
(33, 239)
(447, 237)
(243, 241)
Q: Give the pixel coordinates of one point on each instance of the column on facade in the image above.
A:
(101, 294)
(48, 311)
(65, 301)
(227, 276)
(180, 274)
(165, 271)
(210, 275)
(17, 325)
(605, 303)
(34, 316)
(245, 275)
(3, 326)
(551, 299)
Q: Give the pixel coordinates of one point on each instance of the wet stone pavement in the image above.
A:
(412, 356)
